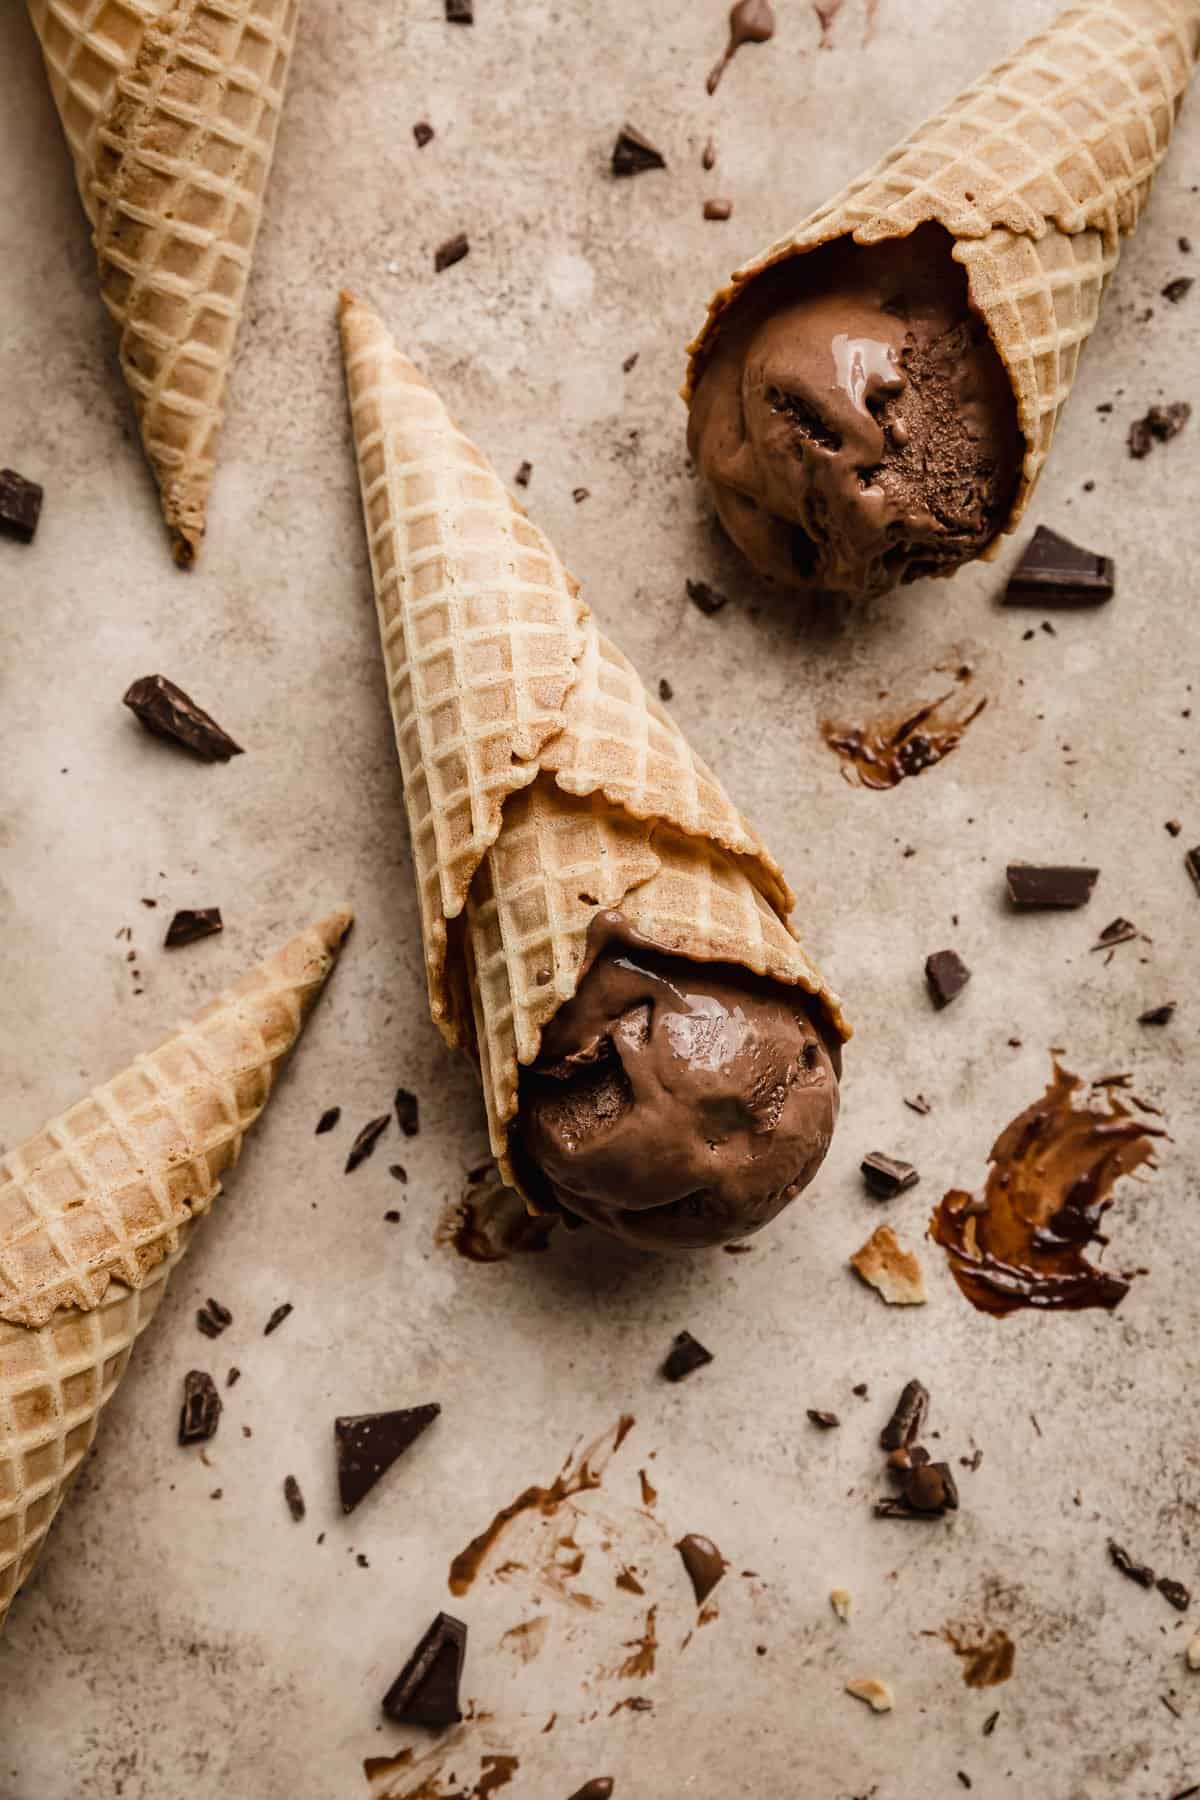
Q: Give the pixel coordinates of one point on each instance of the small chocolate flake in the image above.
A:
(1053, 571)
(990, 1723)
(630, 362)
(824, 1421)
(523, 473)
(580, 494)
(885, 1176)
(1178, 289)
(1158, 1015)
(277, 1317)
(366, 1141)
(328, 1120)
(1174, 1593)
(20, 506)
(861, 1389)
(1119, 932)
(708, 156)
(919, 1104)
(904, 1426)
(1032, 886)
(426, 1690)
(408, 1112)
(398, 1172)
(451, 252)
(946, 975)
(361, 1560)
(217, 1494)
(231, 1380)
(201, 1411)
(423, 132)
(665, 691)
(213, 1318)
(460, 12)
(1160, 425)
(146, 902)
(1139, 1572)
(685, 1357)
(168, 712)
(706, 598)
(191, 924)
(391, 1218)
(633, 154)
(369, 1443)
(718, 210)
(294, 1498)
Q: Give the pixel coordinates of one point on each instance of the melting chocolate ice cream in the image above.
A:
(855, 421)
(677, 1104)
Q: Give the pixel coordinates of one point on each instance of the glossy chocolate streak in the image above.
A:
(882, 752)
(1053, 1172)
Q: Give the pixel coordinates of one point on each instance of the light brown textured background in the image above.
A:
(171, 1645)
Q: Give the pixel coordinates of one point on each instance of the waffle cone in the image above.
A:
(170, 109)
(97, 1209)
(1037, 171)
(542, 782)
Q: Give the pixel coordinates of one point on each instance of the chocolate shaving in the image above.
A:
(1119, 932)
(634, 154)
(706, 598)
(1055, 572)
(366, 1141)
(423, 132)
(601, 1787)
(1136, 1571)
(398, 1172)
(1192, 864)
(1033, 886)
(294, 1498)
(665, 691)
(20, 506)
(824, 1421)
(630, 362)
(168, 712)
(904, 1426)
(885, 1176)
(946, 975)
(369, 1443)
(231, 1380)
(1158, 1015)
(451, 252)
(201, 1412)
(191, 924)
(277, 1317)
(426, 1690)
(213, 1318)
(686, 1355)
(1178, 289)
(580, 494)
(328, 1120)
(919, 1104)
(408, 1112)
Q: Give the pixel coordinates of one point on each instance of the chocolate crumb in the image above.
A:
(232, 1379)
(946, 975)
(426, 1690)
(523, 473)
(1174, 1593)
(361, 1560)
(633, 154)
(460, 12)
(580, 494)
(20, 506)
(686, 1355)
(1185, 245)
(861, 1389)
(718, 210)
(964, 1778)
(392, 1217)
(1139, 1572)
(328, 1120)
(213, 1318)
(630, 362)
(294, 1498)
(168, 712)
(919, 1104)
(398, 1172)
(665, 691)
(1160, 425)
(408, 1112)
(277, 1317)
(990, 1723)
(1158, 1015)
(1178, 289)
(423, 132)
(451, 252)
(708, 156)
(201, 1412)
(706, 598)
(885, 1176)
(366, 1141)
(1174, 827)
(191, 924)
(825, 1421)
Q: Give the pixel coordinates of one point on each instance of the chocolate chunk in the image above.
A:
(929, 1487)
(398, 1172)
(460, 12)
(1119, 932)
(201, 1412)
(1178, 289)
(824, 1421)
(369, 1443)
(630, 362)
(704, 1563)
(213, 1318)
(580, 494)
(706, 598)
(408, 1112)
(633, 154)
(328, 1120)
(685, 1357)
(904, 1426)
(1174, 1593)
(366, 1141)
(1032, 886)
(708, 156)
(946, 975)
(294, 1498)
(423, 132)
(426, 1690)
(1192, 864)
(1160, 425)
(600, 1787)
(1158, 1015)
(1174, 826)
(665, 691)
(451, 252)
(861, 1389)
(1055, 572)
(20, 506)
(1139, 1572)
(231, 1380)
(523, 473)
(168, 712)
(191, 924)
(718, 210)
(884, 1175)
(391, 1217)
(277, 1317)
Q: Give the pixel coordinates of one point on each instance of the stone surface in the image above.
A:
(171, 1645)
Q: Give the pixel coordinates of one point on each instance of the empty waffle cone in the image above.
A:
(170, 109)
(97, 1209)
(543, 783)
(1037, 171)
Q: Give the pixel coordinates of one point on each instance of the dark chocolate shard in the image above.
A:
(630, 362)
(213, 1318)
(946, 975)
(704, 1563)
(168, 712)
(1159, 426)
(600, 1787)
(408, 1112)
(1119, 932)
(294, 1498)
(1055, 572)
(666, 692)
(706, 598)
(633, 154)
(423, 132)
(369, 1443)
(20, 506)
(1136, 1571)
(904, 1426)
(885, 1176)
(451, 252)
(201, 1412)
(686, 1355)
(366, 1141)
(1158, 1015)
(1033, 885)
(460, 12)
(1178, 289)
(919, 1104)
(824, 1421)
(523, 474)
(191, 924)
(328, 1120)
(426, 1690)
(277, 1317)
(1174, 1593)
(231, 1380)
(398, 1172)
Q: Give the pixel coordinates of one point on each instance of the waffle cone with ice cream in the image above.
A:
(97, 1209)
(546, 791)
(170, 109)
(1033, 177)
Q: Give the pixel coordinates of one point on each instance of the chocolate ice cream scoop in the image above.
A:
(855, 421)
(677, 1104)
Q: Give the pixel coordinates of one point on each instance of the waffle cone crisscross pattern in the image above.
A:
(1037, 171)
(543, 784)
(99, 1206)
(170, 111)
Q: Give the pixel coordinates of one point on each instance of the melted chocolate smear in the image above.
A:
(491, 1223)
(750, 22)
(704, 1563)
(645, 1651)
(987, 1658)
(577, 1476)
(883, 752)
(649, 1492)
(826, 11)
(1051, 1182)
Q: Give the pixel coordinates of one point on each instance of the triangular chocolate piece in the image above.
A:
(633, 154)
(1055, 572)
(426, 1690)
(369, 1443)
